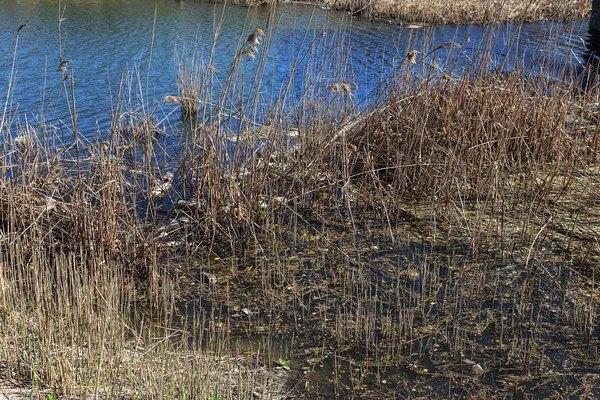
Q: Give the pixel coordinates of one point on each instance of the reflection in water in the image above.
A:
(593, 45)
(592, 53)
(593, 42)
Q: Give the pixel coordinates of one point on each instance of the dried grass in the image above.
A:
(467, 11)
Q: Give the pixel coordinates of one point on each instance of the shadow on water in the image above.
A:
(592, 57)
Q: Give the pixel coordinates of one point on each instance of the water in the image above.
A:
(142, 41)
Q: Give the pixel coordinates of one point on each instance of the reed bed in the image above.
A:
(439, 243)
(453, 12)
(467, 11)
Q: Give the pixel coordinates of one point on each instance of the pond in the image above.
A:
(144, 42)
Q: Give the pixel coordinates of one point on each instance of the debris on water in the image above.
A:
(191, 205)
(477, 370)
(163, 187)
(165, 230)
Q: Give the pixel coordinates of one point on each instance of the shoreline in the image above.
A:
(444, 13)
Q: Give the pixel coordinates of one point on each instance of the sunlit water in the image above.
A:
(143, 41)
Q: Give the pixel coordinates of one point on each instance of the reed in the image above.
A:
(466, 11)
(451, 12)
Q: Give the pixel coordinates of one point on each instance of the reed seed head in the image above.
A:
(254, 39)
(255, 36)
(334, 88)
(171, 99)
(22, 26)
(63, 66)
(412, 56)
(251, 51)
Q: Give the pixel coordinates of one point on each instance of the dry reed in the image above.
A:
(452, 12)
(467, 11)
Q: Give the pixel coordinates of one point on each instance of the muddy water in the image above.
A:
(140, 42)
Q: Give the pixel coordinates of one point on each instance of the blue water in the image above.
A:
(306, 49)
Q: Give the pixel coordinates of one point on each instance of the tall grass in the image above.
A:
(466, 11)
(452, 12)
(435, 235)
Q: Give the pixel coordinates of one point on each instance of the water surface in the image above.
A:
(142, 42)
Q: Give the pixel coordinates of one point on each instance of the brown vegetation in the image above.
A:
(454, 12)
(467, 11)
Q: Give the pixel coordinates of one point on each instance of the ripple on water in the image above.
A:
(104, 39)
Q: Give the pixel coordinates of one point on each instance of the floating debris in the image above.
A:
(190, 204)
(162, 188)
(477, 370)
(165, 230)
